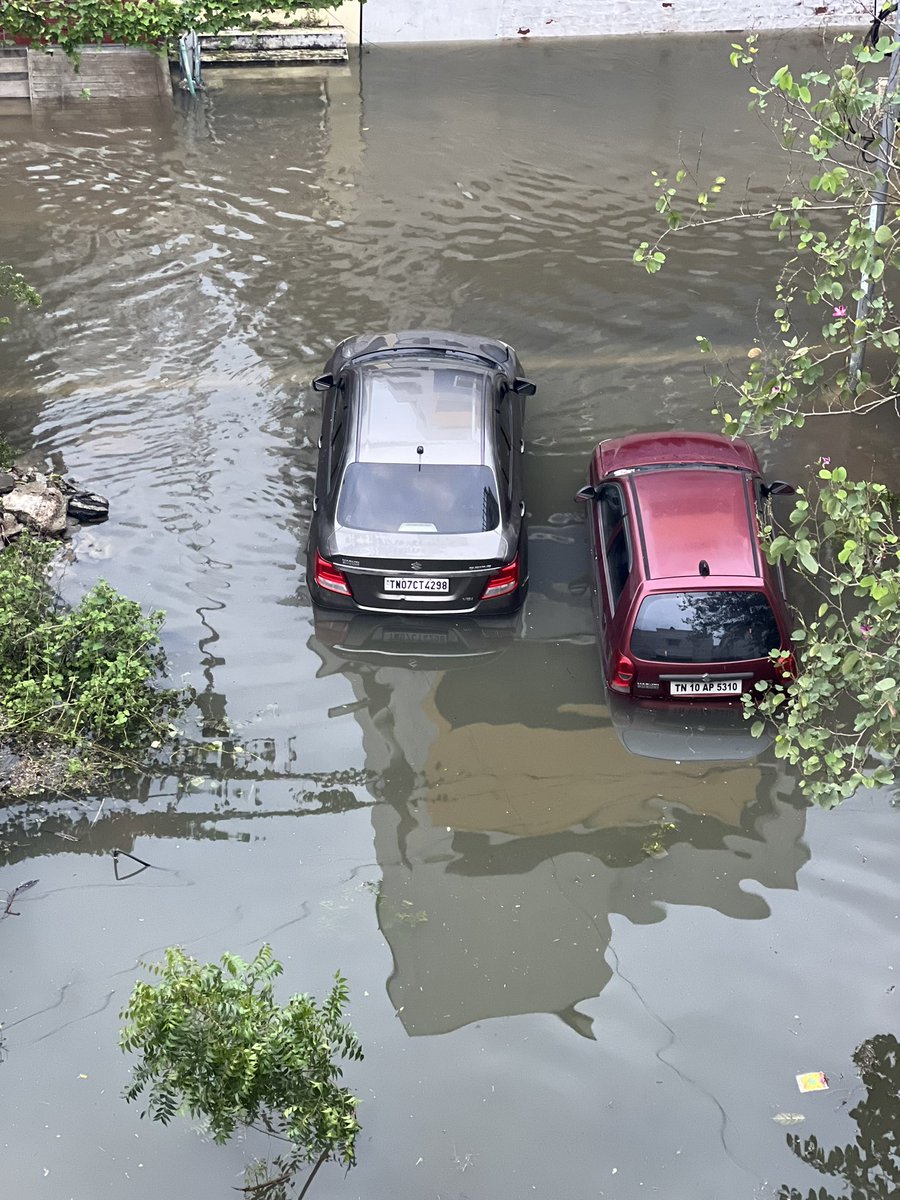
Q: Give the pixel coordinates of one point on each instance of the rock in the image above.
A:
(7, 482)
(38, 505)
(86, 506)
(9, 528)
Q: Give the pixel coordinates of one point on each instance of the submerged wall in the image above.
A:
(104, 73)
(463, 20)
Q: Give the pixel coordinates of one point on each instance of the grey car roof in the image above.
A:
(410, 402)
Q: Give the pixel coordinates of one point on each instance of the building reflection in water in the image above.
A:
(512, 823)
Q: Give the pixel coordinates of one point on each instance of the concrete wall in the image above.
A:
(463, 20)
(107, 72)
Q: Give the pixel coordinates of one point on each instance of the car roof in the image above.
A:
(407, 403)
(638, 450)
(695, 514)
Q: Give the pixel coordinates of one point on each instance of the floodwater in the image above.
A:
(576, 972)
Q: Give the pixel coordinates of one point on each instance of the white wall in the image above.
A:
(463, 20)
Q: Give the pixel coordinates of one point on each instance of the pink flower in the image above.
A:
(840, 310)
(825, 460)
(865, 628)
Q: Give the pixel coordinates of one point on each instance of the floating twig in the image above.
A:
(12, 896)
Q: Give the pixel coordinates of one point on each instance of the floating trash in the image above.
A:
(787, 1118)
(812, 1081)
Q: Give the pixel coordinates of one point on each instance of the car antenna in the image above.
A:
(420, 450)
(704, 567)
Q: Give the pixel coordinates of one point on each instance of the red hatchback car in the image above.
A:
(687, 606)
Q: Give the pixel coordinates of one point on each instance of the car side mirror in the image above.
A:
(587, 494)
(779, 488)
(523, 387)
(323, 383)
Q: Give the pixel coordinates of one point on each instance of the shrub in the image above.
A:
(83, 677)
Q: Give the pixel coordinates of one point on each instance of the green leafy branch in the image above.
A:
(212, 1039)
(838, 721)
(844, 706)
(14, 287)
(830, 124)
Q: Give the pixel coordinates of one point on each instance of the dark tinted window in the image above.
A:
(704, 627)
(404, 498)
(338, 437)
(615, 539)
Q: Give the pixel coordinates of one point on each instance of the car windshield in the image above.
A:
(705, 627)
(407, 498)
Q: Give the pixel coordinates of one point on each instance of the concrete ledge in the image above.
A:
(107, 72)
(324, 43)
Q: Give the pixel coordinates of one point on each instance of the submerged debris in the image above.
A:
(12, 896)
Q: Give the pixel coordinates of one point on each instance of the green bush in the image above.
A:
(84, 676)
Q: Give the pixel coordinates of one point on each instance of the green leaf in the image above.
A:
(850, 661)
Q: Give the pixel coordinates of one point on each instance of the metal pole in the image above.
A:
(883, 166)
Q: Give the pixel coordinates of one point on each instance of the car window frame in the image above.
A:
(505, 438)
(608, 536)
(337, 436)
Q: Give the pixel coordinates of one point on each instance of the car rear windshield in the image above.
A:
(407, 498)
(704, 627)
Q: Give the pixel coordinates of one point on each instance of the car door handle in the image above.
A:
(521, 508)
(319, 442)
(521, 445)
(315, 503)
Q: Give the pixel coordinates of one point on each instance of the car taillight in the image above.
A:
(787, 665)
(503, 582)
(329, 577)
(623, 674)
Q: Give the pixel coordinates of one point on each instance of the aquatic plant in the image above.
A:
(14, 287)
(838, 216)
(213, 1040)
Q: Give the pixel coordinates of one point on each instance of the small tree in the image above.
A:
(838, 217)
(214, 1041)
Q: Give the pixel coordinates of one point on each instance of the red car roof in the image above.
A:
(689, 515)
(658, 449)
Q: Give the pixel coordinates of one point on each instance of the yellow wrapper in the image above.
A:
(812, 1081)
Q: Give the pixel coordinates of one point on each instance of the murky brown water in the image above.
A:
(549, 1009)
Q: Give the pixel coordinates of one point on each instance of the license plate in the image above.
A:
(415, 583)
(408, 638)
(706, 687)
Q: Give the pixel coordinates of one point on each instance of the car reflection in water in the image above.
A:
(435, 642)
(689, 733)
(511, 825)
